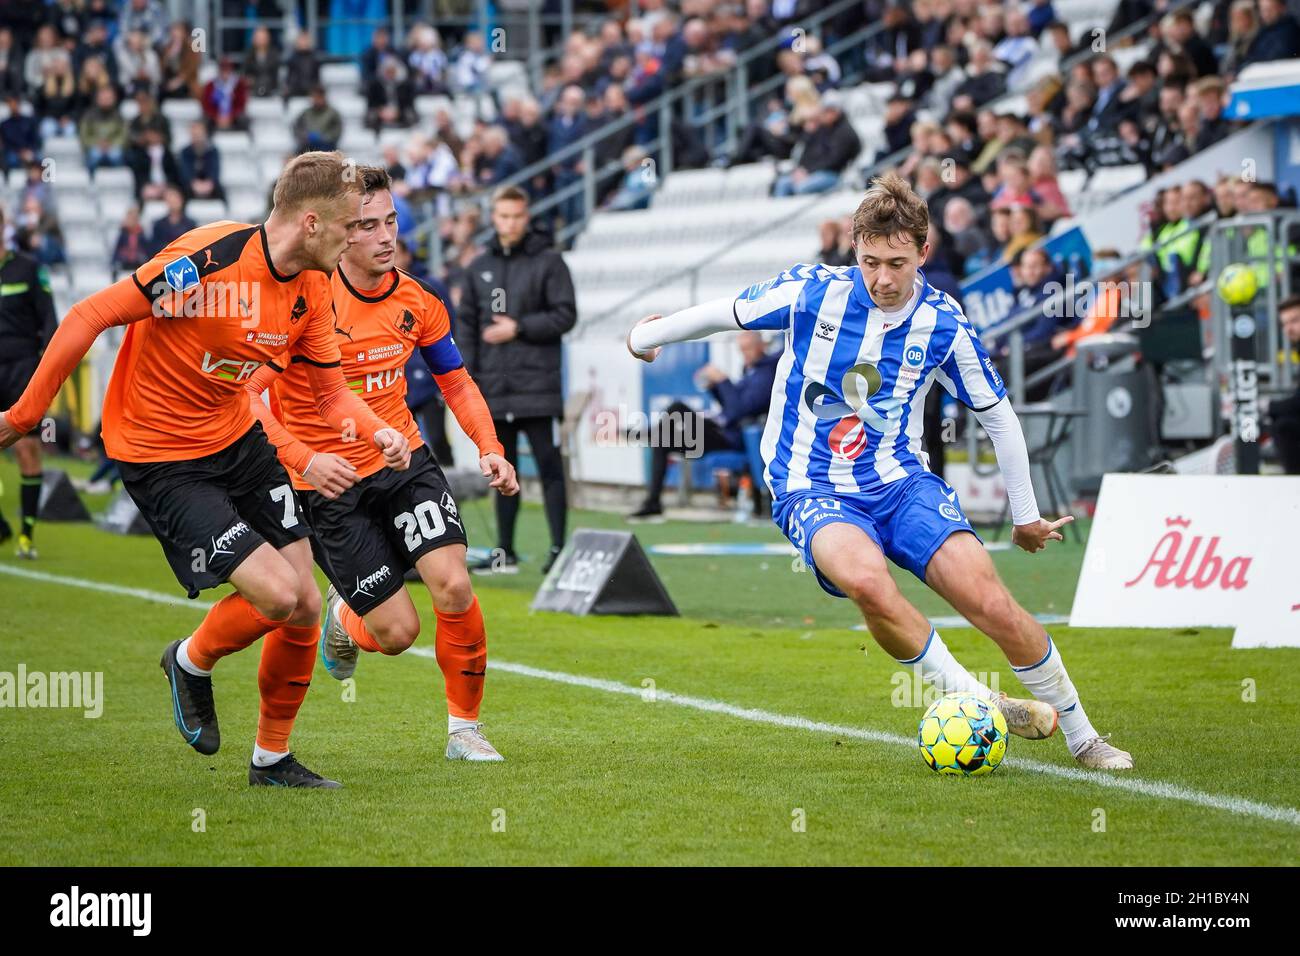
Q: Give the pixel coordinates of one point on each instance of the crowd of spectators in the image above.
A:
(66, 68)
(990, 177)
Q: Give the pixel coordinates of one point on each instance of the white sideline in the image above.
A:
(1147, 788)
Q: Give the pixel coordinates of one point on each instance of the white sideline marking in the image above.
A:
(156, 596)
(1146, 788)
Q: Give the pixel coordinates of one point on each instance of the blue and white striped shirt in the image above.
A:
(847, 405)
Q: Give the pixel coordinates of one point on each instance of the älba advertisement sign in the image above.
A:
(1195, 551)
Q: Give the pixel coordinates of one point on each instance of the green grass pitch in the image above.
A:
(599, 773)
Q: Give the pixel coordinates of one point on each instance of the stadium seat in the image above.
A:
(248, 206)
(1072, 182)
(152, 211)
(355, 138)
(273, 137)
(112, 209)
(351, 106)
(181, 112)
(267, 108)
(205, 210)
(427, 107)
(232, 141)
(64, 150)
(114, 178)
(1108, 182)
(343, 76)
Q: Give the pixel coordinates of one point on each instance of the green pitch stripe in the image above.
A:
(1156, 789)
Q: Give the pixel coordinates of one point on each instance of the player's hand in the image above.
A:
(396, 449)
(501, 472)
(331, 475)
(650, 355)
(8, 434)
(1034, 537)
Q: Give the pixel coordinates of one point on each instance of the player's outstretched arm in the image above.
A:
(1030, 532)
(471, 411)
(648, 336)
(350, 415)
(119, 304)
(329, 474)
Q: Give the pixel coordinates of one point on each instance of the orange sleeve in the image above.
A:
(119, 304)
(467, 404)
(293, 454)
(339, 405)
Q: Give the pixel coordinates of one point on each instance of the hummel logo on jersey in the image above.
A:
(228, 537)
(827, 330)
(365, 584)
(182, 274)
(298, 311)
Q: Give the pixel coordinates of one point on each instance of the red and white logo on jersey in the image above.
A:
(848, 438)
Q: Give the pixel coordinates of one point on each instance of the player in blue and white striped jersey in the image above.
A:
(842, 449)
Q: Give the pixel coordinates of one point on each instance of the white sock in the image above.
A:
(264, 758)
(187, 665)
(1047, 680)
(457, 724)
(940, 668)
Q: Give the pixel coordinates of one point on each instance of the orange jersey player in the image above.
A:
(202, 316)
(370, 533)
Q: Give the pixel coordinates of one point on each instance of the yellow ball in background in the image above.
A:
(1237, 284)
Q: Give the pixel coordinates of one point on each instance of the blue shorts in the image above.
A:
(908, 519)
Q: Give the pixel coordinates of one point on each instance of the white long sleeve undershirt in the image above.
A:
(696, 322)
(1000, 421)
(1004, 431)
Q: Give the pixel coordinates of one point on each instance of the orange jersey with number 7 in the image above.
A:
(377, 331)
(202, 315)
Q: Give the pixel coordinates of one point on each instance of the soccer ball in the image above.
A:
(962, 735)
(1237, 284)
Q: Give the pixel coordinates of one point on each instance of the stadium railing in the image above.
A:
(1228, 244)
(1274, 364)
(731, 83)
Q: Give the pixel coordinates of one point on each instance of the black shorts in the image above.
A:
(15, 373)
(211, 513)
(368, 537)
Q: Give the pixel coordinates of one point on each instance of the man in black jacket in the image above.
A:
(27, 323)
(683, 430)
(830, 146)
(516, 304)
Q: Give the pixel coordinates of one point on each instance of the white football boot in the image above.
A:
(1031, 719)
(1097, 754)
(338, 652)
(470, 745)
